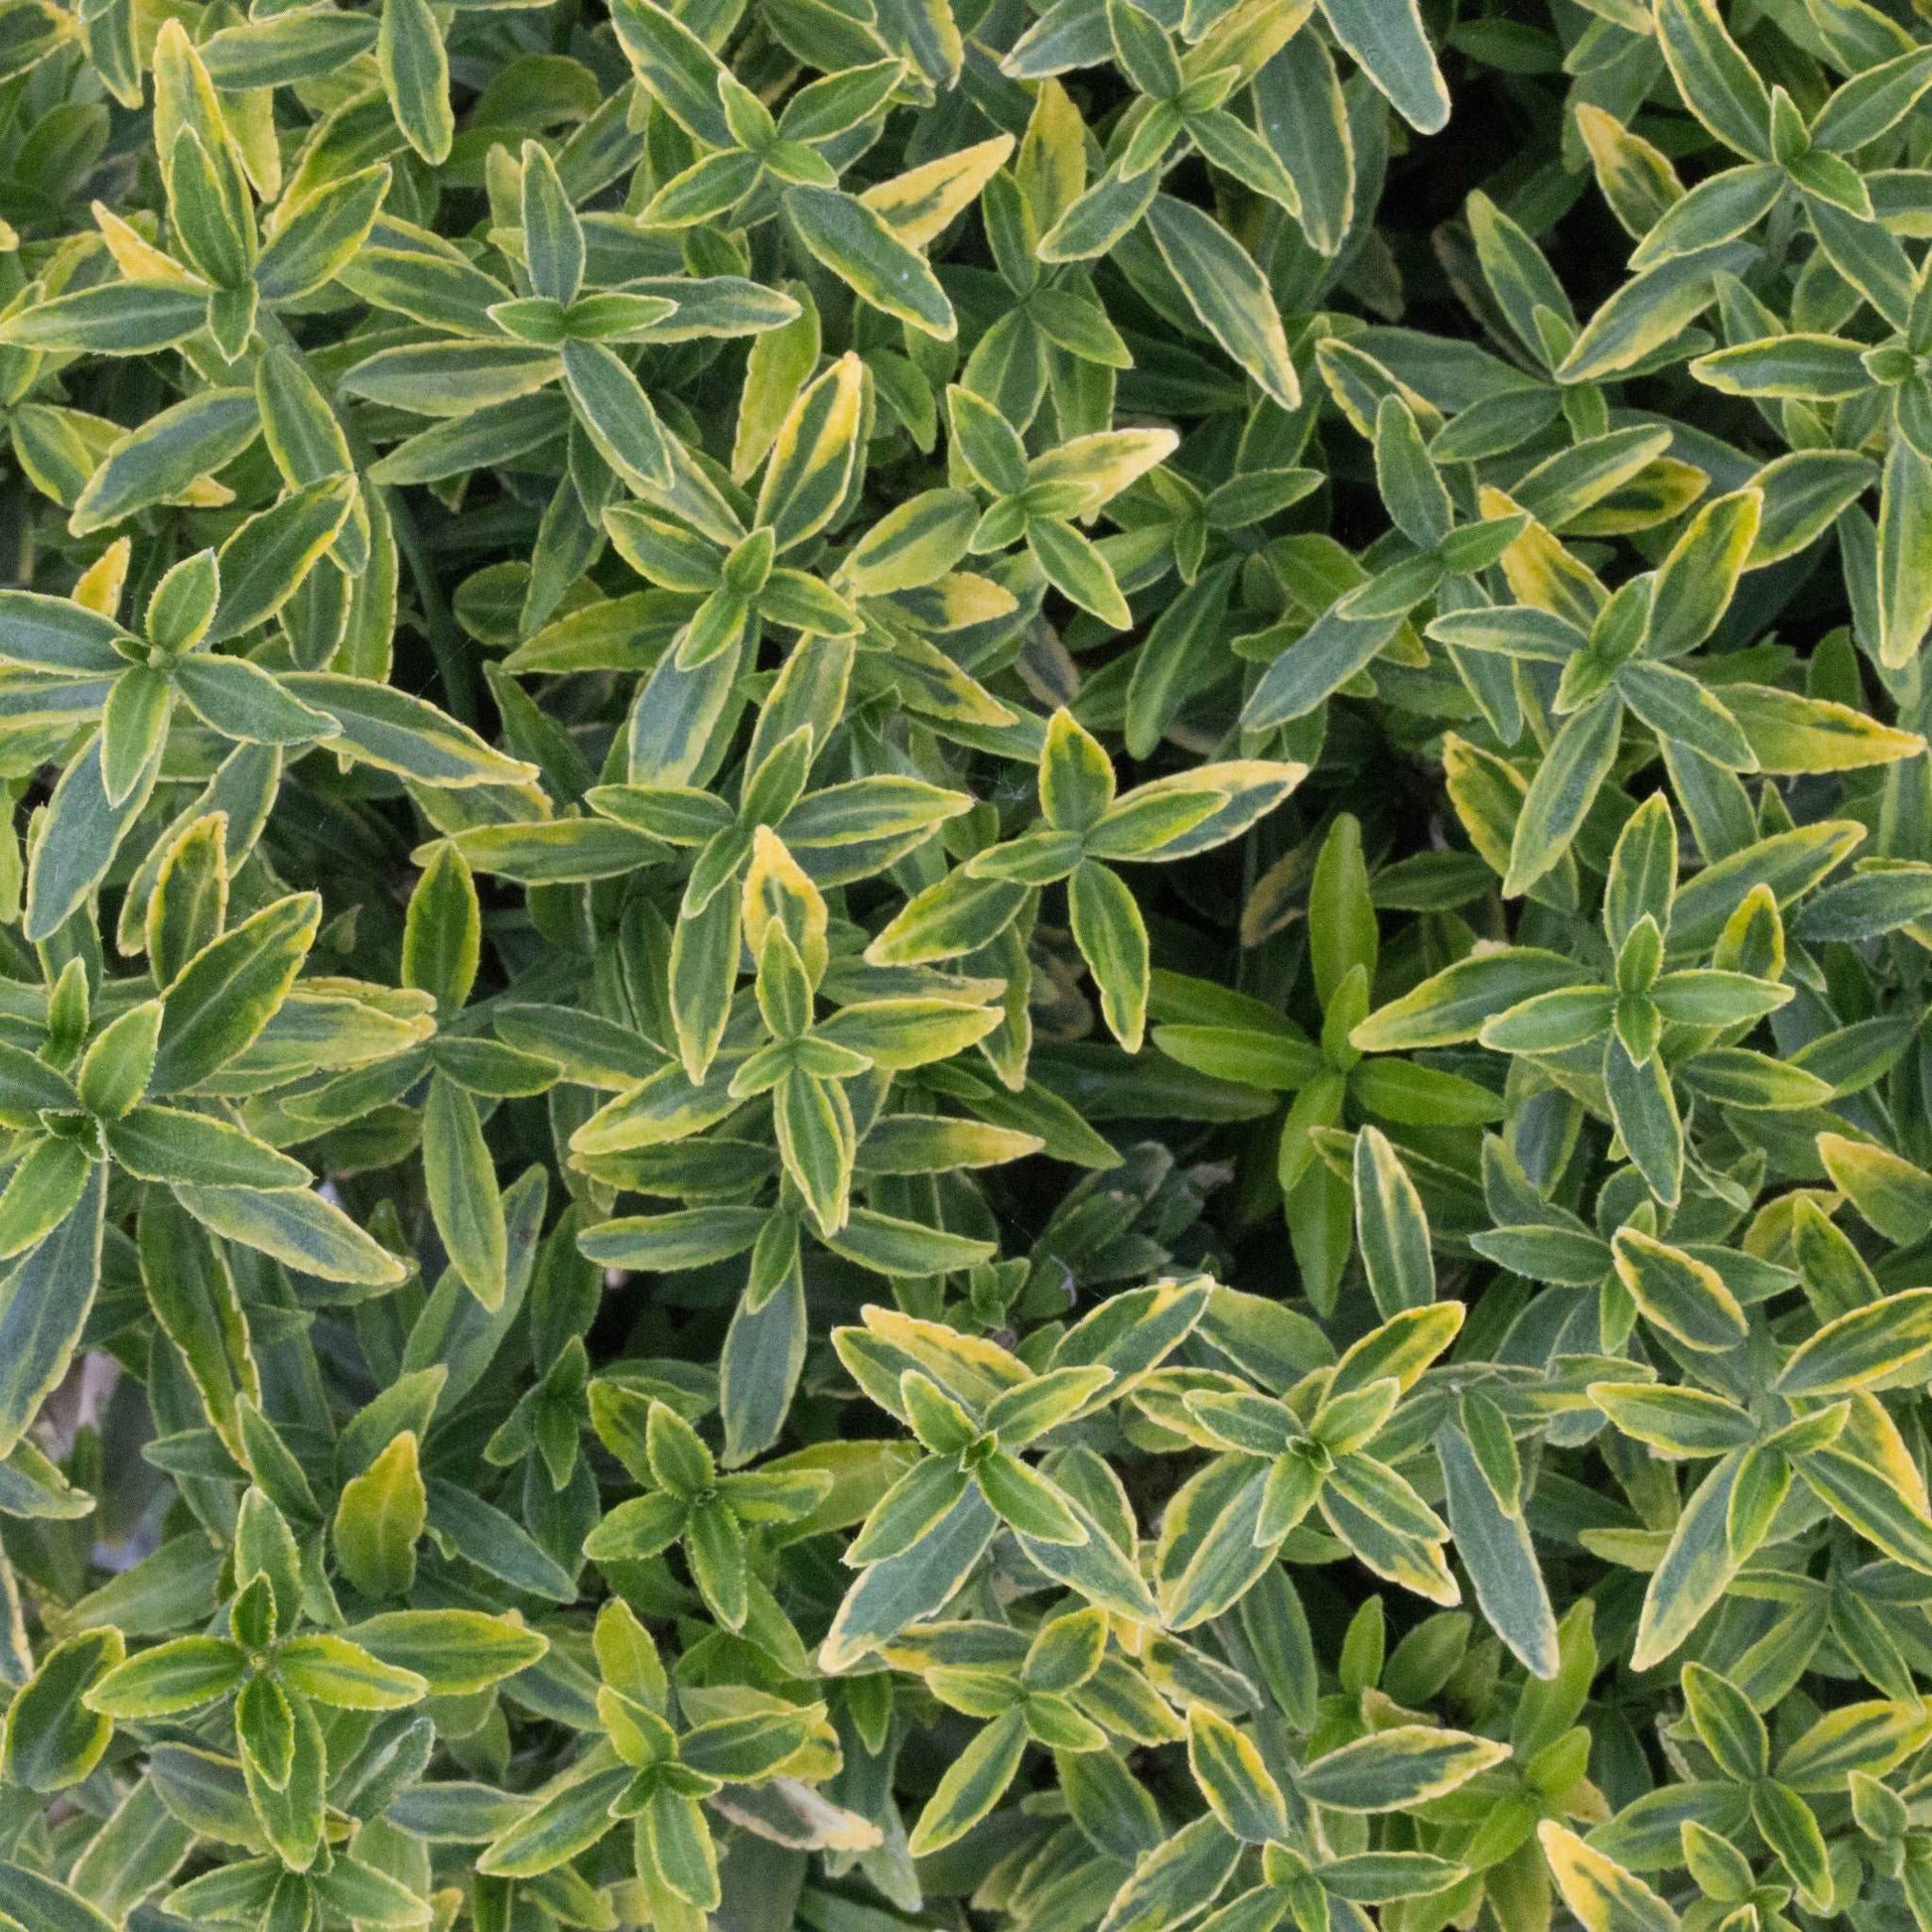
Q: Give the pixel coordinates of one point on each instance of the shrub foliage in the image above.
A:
(964, 966)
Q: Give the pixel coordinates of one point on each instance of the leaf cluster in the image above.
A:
(965, 965)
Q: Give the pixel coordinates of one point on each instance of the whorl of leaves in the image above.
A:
(962, 964)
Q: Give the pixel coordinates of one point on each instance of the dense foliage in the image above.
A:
(965, 967)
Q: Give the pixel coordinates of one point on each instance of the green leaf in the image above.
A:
(182, 1675)
(1394, 1768)
(1872, 1502)
(1726, 1726)
(52, 1740)
(265, 561)
(1677, 1422)
(1303, 116)
(1391, 1227)
(1565, 786)
(41, 1192)
(613, 406)
(1333, 649)
(1389, 42)
(43, 1301)
(1169, 1884)
(1108, 930)
(494, 1543)
(443, 933)
(1649, 311)
(131, 317)
(298, 1228)
(1695, 1571)
(973, 1784)
(416, 76)
(1719, 84)
(1078, 570)
(857, 246)
(1493, 1542)
(32, 1899)
(455, 1652)
(461, 1178)
(1226, 291)
(1604, 1896)
(53, 633)
(675, 66)
(379, 1517)
(1904, 575)
(1684, 1298)
(1864, 1348)
(83, 831)
(1790, 1829)
(813, 455)
(171, 1144)
(1893, 1195)
(1644, 1109)
(230, 991)
(902, 1589)
(1453, 1003)
(393, 731)
(1234, 1780)
(321, 231)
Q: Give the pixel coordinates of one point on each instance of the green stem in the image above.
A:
(446, 641)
